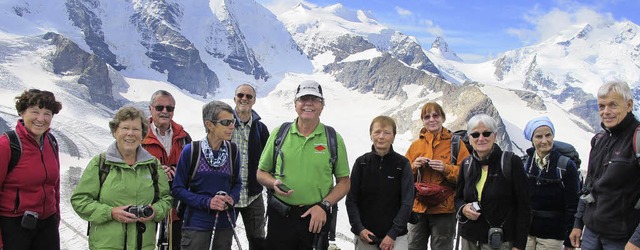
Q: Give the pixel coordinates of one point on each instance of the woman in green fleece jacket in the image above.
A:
(129, 182)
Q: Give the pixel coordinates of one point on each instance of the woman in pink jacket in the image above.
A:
(30, 188)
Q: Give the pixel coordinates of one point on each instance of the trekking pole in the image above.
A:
(163, 242)
(233, 227)
(213, 233)
(170, 232)
(457, 236)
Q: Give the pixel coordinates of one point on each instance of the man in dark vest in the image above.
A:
(251, 135)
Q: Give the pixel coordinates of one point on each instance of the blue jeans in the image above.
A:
(593, 241)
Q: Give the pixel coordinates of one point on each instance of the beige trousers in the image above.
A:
(535, 243)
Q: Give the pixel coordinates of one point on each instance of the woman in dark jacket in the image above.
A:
(379, 201)
(553, 184)
(492, 197)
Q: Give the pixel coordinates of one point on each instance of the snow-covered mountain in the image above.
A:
(98, 55)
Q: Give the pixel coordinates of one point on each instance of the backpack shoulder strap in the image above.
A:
(466, 163)
(195, 159)
(455, 148)
(234, 156)
(280, 136)
(636, 143)
(332, 143)
(153, 170)
(505, 164)
(103, 171)
(16, 149)
(563, 161)
(524, 160)
(54, 144)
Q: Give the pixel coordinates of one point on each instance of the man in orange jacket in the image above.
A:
(165, 141)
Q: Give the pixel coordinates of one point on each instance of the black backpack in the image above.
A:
(195, 159)
(456, 137)
(16, 148)
(567, 153)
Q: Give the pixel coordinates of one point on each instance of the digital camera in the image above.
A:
(374, 240)
(588, 198)
(475, 206)
(495, 237)
(140, 211)
(29, 220)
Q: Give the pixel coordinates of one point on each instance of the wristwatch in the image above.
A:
(326, 205)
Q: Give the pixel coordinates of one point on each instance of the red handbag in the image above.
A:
(431, 194)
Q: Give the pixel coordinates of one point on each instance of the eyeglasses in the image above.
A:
(434, 115)
(159, 108)
(226, 122)
(485, 134)
(241, 95)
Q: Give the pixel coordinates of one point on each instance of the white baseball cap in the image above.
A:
(309, 87)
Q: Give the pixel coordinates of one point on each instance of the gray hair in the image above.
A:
(617, 87)
(248, 85)
(161, 92)
(211, 111)
(486, 120)
(129, 113)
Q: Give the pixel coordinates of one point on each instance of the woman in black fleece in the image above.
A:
(497, 183)
(381, 195)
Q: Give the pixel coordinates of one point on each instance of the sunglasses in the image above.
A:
(159, 108)
(225, 122)
(241, 95)
(484, 134)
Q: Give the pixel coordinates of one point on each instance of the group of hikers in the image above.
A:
(156, 188)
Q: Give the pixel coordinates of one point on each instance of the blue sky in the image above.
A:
(481, 30)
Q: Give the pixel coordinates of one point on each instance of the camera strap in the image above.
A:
(503, 221)
(140, 229)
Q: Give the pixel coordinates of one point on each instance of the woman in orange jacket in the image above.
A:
(430, 157)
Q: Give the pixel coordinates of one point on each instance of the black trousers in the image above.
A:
(292, 232)
(45, 236)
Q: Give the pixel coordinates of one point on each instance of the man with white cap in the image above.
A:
(303, 191)
(553, 186)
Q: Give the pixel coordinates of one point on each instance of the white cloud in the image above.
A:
(403, 12)
(432, 28)
(546, 25)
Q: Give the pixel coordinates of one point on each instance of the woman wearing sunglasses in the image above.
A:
(492, 195)
(430, 157)
(208, 182)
